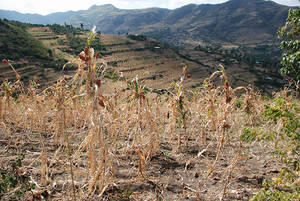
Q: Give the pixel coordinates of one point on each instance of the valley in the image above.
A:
(156, 63)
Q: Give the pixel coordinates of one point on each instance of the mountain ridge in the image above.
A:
(234, 21)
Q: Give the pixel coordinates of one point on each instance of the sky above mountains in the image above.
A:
(50, 6)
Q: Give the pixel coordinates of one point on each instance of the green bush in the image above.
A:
(291, 57)
(283, 117)
(137, 37)
(77, 44)
(11, 179)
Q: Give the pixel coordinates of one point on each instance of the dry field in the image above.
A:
(72, 141)
(88, 137)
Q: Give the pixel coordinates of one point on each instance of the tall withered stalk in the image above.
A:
(237, 157)
(8, 88)
(142, 163)
(1, 109)
(179, 109)
(224, 125)
(96, 102)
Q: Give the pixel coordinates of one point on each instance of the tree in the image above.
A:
(291, 44)
(81, 26)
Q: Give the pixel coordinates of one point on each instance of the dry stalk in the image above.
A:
(69, 152)
(1, 109)
(230, 170)
(224, 124)
(142, 163)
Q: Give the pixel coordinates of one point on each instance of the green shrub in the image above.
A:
(291, 57)
(239, 103)
(11, 179)
(283, 117)
(137, 37)
(249, 135)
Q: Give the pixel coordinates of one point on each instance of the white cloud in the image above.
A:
(176, 3)
(50, 6)
(288, 2)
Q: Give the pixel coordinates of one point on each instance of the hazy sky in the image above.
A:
(50, 6)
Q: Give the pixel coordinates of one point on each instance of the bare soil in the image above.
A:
(180, 175)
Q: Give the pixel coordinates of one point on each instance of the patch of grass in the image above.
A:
(137, 37)
(17, 43)
(13, 182)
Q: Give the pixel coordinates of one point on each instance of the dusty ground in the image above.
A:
(168, 175)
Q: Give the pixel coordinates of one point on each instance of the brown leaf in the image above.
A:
(82, 56)
(97, 54)
(142, 95)
(101, 103)
(228, 99)
(244, 158)
(225, 125)
(5, 61)
(98, 82)
(86, 51)
(226, 85)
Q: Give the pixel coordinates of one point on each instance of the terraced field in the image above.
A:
(151, 61)
(240, 73)
(51, 40)
(154, 63)
(45, 77)
(32, 70)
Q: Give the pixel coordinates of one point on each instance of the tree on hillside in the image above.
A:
(291, 45)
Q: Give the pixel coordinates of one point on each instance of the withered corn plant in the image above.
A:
(179, 112)
(82, 144)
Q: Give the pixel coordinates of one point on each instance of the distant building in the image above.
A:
(233, 61)
(268, 78)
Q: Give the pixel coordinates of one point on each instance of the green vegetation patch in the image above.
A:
(137, 37)
(16, 43)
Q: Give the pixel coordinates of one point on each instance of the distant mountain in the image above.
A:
(235, 21)
(58, 18)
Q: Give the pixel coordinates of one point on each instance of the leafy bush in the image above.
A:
(111, 74)
(66, 29)
(270, 193)
(77, 44)
(12, 179)
(283, 118)
(137, 37)
(249, 135)
(291, 57)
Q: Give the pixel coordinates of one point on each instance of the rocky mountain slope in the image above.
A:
(235, 21)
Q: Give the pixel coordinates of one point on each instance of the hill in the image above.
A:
(157, 64)
(154, 62)
(31, 57)
(17, 43)
(236, 21)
